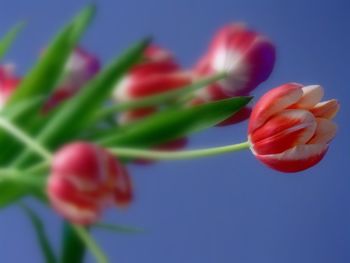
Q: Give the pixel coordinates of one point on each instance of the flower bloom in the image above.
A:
(157, 73)
(290, 128)
(8, 83)
(84, 180)
(80, 68)
(245, 55)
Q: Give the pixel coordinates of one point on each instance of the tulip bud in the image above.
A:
(245, 55)
(80, 68)
(8, 83)
(290, 129)
(158, 73)
(84, 180)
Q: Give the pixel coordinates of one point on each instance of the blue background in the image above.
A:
(228, 208)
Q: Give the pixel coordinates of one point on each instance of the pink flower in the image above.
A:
(290, 128)
(8, 83)
(247, 56)
(159, 72)
(80, 68)
(84, 180)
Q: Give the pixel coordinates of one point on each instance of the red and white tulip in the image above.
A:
(159, 72)
(84, 180)
(245, 55)
(290, 128)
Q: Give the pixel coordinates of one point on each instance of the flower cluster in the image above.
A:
(289, 127)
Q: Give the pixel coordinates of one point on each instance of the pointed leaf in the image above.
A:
(173, 123)
(7, 41)
(39, 228)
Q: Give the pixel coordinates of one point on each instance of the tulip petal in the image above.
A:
(273, 102)
(326, 109)
(284, 131)
(311, 96)
(297, 159)
(325, 131)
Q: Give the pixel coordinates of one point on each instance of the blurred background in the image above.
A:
(228, 208)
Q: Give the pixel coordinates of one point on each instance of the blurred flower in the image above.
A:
(157, 73)
(84, 180)
(8, 83)
(290, 129)
(245, 55)
(80, 68)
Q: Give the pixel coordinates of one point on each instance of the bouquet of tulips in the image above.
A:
(70, 127)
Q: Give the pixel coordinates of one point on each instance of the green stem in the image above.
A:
(26, 139)
(160, 98)
(12, 175)
(175, 155)
(91, 244)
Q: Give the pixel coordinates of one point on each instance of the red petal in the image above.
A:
(297, 159)
(273, 102)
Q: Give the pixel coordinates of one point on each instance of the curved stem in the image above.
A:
(90, 243)
(165, 155)
(26, 139)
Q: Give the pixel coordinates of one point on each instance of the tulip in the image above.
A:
(159, 72)
(290, 128)
(80, 68)
(247, 56)
(84, 180)
(8, 83)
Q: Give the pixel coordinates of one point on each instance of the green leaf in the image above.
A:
(43, 78)
(171, 124)
(75, 115)
(14, 184)
(118, 228)
(73, 249)
(43, 240)
(7, 41)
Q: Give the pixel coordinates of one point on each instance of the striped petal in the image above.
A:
(297, 159)
(326, 109)
(284, 131)
(311, 96)
(325, 132)
(273, 102)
